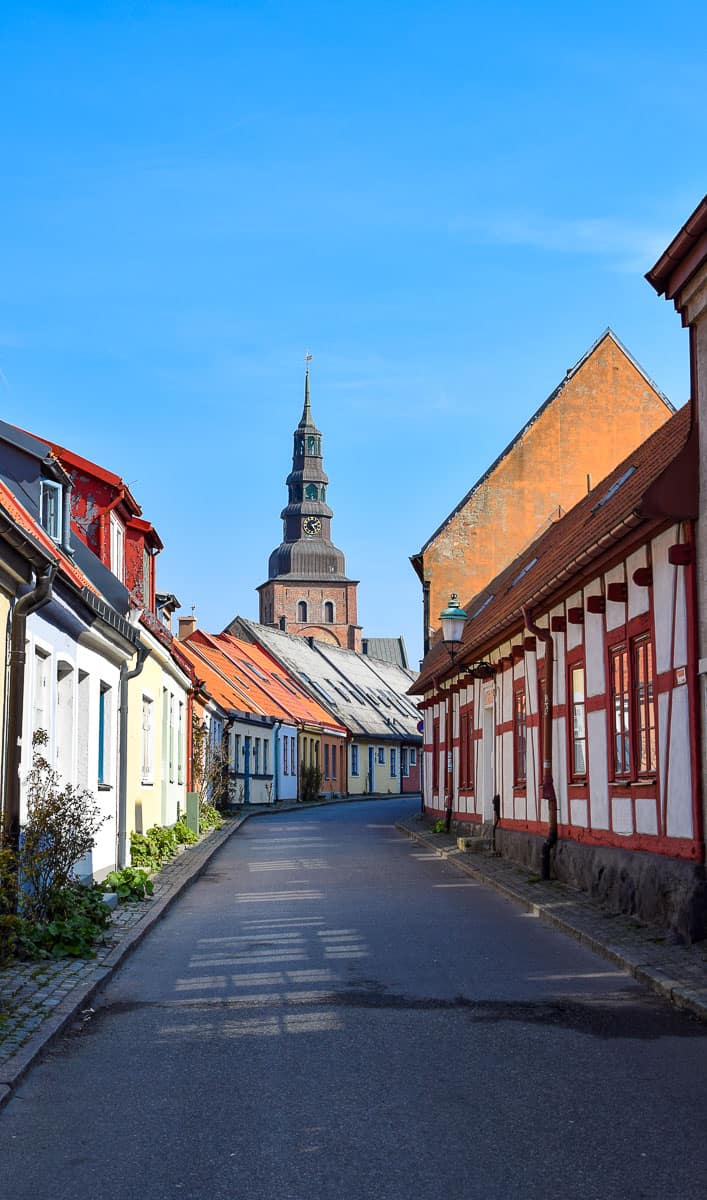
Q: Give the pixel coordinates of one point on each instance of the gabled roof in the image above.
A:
(608, 333)
(342, 681)
(390, 650)
(684, 255)
(20, 516)
(283, 687)
(657, 482)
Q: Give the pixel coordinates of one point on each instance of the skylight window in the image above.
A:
(523, 572)
(485, 604)
(618, 483)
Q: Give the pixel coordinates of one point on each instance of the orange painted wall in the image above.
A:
(602, 413)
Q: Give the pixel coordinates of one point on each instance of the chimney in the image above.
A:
(187, 625)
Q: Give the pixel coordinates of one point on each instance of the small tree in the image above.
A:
(61, 828)
(310, 782)
(209, 766)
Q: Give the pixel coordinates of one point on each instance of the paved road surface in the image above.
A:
(330, 1012)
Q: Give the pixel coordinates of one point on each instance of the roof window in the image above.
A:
(618, 483)
(485, 604)
(523, 572)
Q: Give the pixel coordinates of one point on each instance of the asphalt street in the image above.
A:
(331, 1011)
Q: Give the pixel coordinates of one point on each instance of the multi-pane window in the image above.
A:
(413, 756)
(621, 709)
(256, 757)
(333, 762)
(170, 735)
(180, 744)
(381, 756)
(147, 739)
(633, 708)
(466, 747)
(644, 706)
(520, 738)
(104, 718)
(293, 767)
(237, 751)
(266, 745)
(355, 766)
(117, 547)
(50, 508)
(579, 722)
(285, 751)
(404, 761)
(326, 760)
(393, 763)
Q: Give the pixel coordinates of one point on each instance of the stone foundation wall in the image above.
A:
(669, 892)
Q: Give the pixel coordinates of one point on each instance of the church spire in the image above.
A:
(307, 411)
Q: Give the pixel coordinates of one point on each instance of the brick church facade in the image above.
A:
(307, 592)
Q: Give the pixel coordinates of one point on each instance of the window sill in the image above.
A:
(146, 783)
(104, 787)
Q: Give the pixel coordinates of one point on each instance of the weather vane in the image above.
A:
(307, 360)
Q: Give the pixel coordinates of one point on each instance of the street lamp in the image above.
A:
(452, 622)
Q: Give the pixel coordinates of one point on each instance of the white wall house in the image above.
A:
(613, 585)
(72, 691)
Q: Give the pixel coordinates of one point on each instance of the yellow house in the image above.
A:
(157, 728)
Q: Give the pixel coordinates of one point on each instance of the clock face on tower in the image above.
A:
(311, 526)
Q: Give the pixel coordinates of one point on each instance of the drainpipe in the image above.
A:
(276, 755)
(125, 677)
(548, 787)
(31, 602)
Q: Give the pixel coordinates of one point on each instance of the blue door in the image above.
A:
(371, 769)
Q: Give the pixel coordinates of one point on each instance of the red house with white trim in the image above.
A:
(602, 607)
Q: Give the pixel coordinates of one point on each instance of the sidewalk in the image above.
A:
(39, 999)
(676, 972)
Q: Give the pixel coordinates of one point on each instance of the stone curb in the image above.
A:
(80, 997)
(674, 990)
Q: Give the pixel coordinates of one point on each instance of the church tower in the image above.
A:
(308, 592)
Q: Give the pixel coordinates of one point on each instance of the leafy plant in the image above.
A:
(141, 852)
(61, 828)
(184, 835)
(131, 883)
(209, 816)
(74, 921)
(310, 782)
(150, 850)
(439, 826)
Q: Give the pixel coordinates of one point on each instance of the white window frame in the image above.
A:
(148, 739)
(47, 488)
(117, 547)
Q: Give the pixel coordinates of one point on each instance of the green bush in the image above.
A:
(132, 883)
(76, 917)
(209, 817)
(150, 850)
(184, 835)
(439, 826)
(310, 783)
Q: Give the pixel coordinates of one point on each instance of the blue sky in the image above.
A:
(445, 204)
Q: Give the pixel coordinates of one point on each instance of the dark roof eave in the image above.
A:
(683, 255)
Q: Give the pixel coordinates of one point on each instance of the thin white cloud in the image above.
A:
(625, 245)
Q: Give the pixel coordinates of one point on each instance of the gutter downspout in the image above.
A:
(125, 676)
(31, 602)
(548, 786)
(276, 771)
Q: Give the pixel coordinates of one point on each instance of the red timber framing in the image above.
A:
(626, 711)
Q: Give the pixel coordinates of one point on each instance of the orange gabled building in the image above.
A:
(605, 406)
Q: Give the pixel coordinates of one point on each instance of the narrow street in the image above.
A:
(331, 1012)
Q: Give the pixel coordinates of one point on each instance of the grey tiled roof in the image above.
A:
(388, 649)
(368, 698)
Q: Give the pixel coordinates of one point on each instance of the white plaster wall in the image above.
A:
(679, 822)
(622, 815)
(595, 676)
(616, 611)
(646, 815)
(638, 597)
(287, 783)
(507, 759)
(82, 753)
(598, 782)
(559, 768)
(664, 575)
(575, 633)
